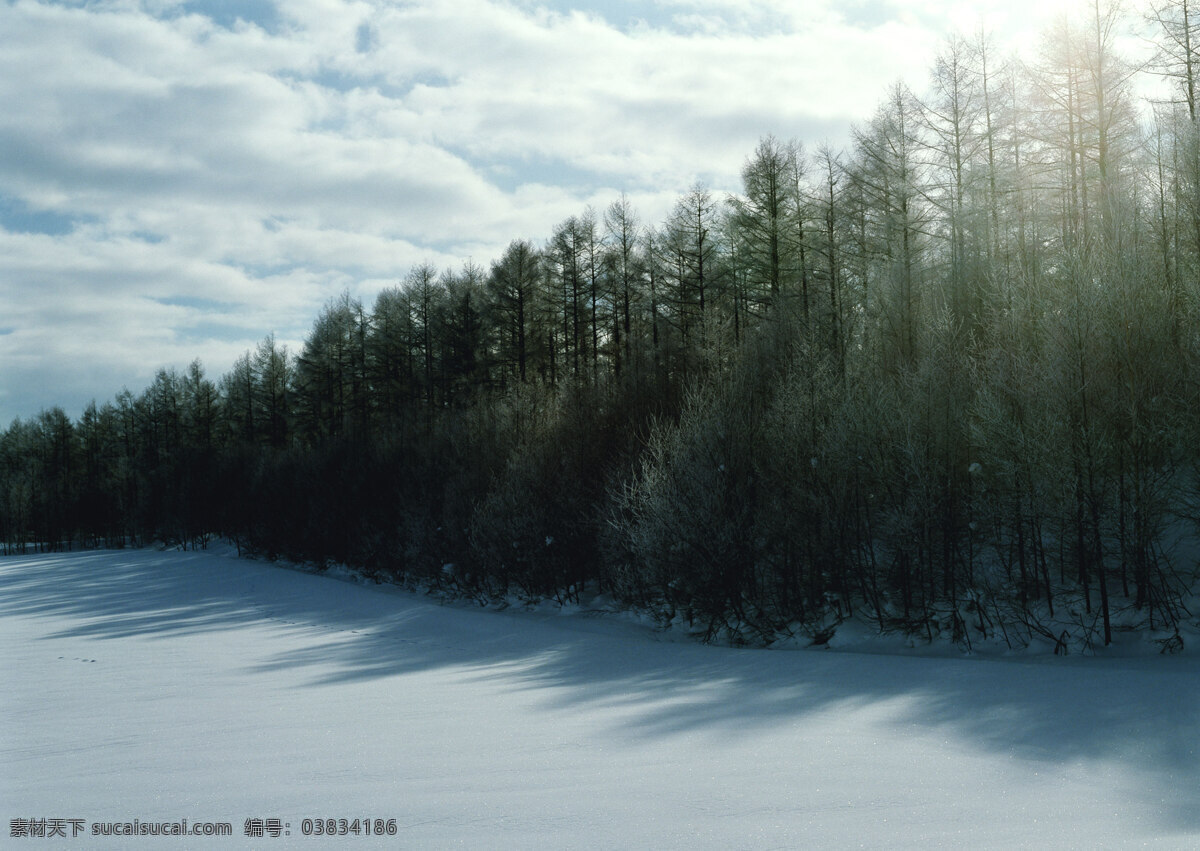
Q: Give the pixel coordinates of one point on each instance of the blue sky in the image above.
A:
(180, 179)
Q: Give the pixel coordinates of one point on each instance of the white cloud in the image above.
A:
(208, 184)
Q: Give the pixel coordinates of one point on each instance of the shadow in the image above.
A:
(1143, 713)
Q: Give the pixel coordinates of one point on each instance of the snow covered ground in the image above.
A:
(160, 686)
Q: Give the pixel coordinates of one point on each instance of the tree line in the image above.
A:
(944, 380)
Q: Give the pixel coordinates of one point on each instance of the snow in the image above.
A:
(168, 685)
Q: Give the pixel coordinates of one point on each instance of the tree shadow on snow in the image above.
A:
(1144, 713)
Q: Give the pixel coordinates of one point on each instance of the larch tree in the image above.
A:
(512, 287)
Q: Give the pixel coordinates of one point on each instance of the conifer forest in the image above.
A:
(944, 380)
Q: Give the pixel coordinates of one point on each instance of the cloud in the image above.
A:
(178, 179)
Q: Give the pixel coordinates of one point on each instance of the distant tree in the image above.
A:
(889, 174)
(201, 408)
(623, 232)
(1178, 60)
(952, 118)
(237, 392)
(100, 493)
(54, 497)
(830, 246)
(692, 272)
(464, 357)
(273, 367)
(1178, 57)
(18, 487)
(423, 296)
(568, 264)
(394, 358)
(767, 217)
(512, 287)
(331, 380)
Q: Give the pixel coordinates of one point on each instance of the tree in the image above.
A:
(623, 231)
(331, 372)
(423, 295)
(393, 357)
(690, 255)
(889, 174)
(568, 261)
(1178, 60)
(952, 117)
(464, 359)
(273, 366)
(769, 222)
(512, 287)
(237, 392)
(100, 496)
(56, 454)
(829, 245)
(1178, 57)
(19, 485)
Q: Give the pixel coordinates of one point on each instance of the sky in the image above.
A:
(181, 178)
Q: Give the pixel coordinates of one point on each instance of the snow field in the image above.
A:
(166, 685)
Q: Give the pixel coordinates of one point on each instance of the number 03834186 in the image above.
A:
(348, 827)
